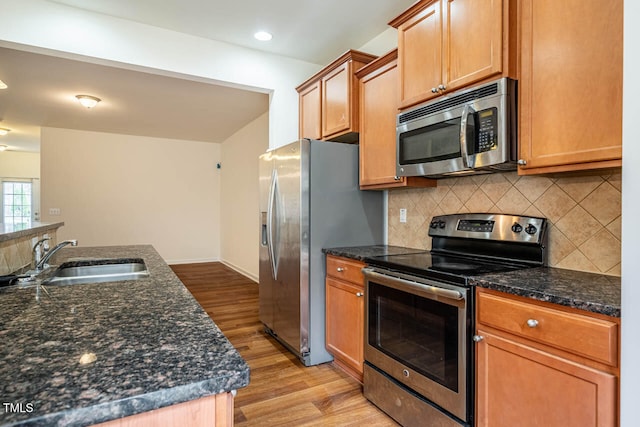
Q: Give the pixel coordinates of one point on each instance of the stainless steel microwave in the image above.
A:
(467, 132)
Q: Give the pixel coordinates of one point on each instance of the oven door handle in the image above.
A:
(421, 287)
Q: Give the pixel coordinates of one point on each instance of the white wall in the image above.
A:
(239, 196)
(630, 377)
(383, 43)
(15, 164)
(119, 190)
(44, 26)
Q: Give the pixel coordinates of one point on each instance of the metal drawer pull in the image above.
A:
(340, 269)
(359, 294)
(532, 323)
(478, 338)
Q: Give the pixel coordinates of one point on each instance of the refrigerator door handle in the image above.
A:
(273, 188)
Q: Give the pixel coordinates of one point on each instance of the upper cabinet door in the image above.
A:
(336, 100)
(310, 121)
(449, 44)
(472, 42)
(378, 83)
(328, 101)
(570, 85)
(420, 56)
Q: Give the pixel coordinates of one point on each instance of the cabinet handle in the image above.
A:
(522, 162)
(340, 269)
(397, 178)
(532, 323)
(442, 87)
(359, 294)
(434, 90)
(478, 338)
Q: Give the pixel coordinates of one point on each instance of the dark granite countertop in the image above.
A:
(10, 232)
(89, 353)
(361, 253)
(597, 293)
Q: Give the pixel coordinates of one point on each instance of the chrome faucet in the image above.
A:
(41, 264)
(38, 251)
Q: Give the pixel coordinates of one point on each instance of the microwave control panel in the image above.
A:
(487, 130)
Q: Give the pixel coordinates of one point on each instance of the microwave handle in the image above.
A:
(464, 148)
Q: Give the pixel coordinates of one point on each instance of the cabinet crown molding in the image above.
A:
(350, 55)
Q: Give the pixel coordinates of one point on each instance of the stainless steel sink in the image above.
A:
(95, 271)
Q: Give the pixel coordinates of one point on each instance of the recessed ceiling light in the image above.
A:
(88, 101)
(263, 36)
(3, 85)
(4, 131)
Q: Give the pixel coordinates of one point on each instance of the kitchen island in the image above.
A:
(91, 353)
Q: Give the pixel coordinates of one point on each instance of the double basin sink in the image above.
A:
(98, 270)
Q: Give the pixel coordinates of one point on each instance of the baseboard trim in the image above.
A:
(191, 261)
(240, 270)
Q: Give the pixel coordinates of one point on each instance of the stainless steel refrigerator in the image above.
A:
(309, 200)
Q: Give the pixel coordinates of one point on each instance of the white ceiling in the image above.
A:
(43, 88)
(315, 31)
(147, 104)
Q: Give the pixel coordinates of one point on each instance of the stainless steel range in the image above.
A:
(419, 314)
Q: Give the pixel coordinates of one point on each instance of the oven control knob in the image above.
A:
(531, 229)
(434, 224)
(441, 224)
(516, 228)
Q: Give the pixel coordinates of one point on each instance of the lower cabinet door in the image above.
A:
(345, 324)
(518, 385)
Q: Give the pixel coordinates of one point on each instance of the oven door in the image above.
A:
(417, 331)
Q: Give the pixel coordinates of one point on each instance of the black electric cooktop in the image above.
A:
(440, 266)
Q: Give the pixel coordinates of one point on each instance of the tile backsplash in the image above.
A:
(584, 213)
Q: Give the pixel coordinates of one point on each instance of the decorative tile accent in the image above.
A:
(584, 213)
(579, 187)
(603, 250)
(495, 187)
(604, 203)
(533, 187)
(559, 246)
(555, 203)
(578, 225)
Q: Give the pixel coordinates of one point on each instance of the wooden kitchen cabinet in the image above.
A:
(538, 364)
(328, 101)
(445, 45)
(570, 86)
(310, 111)
(378, 111)
(345, 314)
(210, 411)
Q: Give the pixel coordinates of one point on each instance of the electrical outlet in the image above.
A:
(54, 211)
(403, 215)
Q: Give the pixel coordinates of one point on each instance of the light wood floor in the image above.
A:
(282, 391)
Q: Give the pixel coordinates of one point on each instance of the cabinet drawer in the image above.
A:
(582, 335)
(345, 269)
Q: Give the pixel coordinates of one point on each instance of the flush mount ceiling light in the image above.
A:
(88, 101)
(4, 131)
(3, 85)
(263, 36)
(3, 147)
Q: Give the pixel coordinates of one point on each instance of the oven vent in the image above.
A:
(446, 104)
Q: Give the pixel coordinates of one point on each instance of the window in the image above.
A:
(16, 203)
